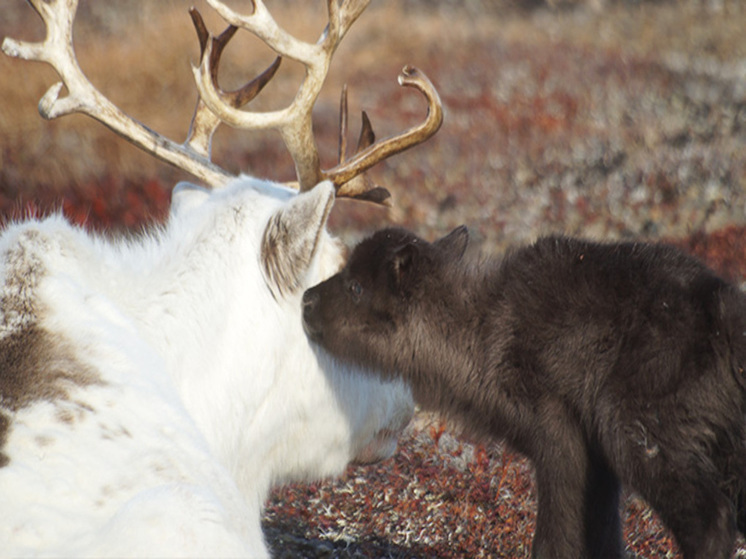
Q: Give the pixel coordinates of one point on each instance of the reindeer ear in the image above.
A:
(291, 238)
(186, 196)
(454, 244)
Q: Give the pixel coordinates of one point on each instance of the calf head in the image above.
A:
(364, 314)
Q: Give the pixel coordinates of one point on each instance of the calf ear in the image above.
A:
(454, 244)
(403, 262)
(291, 238)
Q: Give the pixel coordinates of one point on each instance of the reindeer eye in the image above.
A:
(356, 289)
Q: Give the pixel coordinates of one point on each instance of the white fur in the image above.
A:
(205, 391)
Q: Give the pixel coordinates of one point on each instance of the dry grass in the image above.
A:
(605, 119)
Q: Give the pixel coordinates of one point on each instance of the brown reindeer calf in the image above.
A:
(603, 363)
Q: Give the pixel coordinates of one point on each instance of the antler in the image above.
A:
(57, 51)
(205, 122)
(294, 122)
(215, 105)
(370, 153)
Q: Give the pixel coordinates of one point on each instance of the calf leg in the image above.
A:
(734, 474)
(562, 468)
(559, 521)
(740, 504)
(696, 510)
(603, 525)
(731, 461)
(713, 535)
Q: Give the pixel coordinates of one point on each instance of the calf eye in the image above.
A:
(356, 289)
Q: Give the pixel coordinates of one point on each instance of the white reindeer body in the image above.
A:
(152, 391)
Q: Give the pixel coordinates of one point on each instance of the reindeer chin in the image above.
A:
(384, 442)
(381, 447)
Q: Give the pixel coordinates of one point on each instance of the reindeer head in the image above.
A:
(278, 234)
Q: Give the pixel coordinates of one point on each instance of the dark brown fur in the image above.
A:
(603, 363)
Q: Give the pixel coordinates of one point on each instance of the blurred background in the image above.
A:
(606, 119)
(609, 119)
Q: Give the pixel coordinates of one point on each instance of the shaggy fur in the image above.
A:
(603, 363)
(152, 391)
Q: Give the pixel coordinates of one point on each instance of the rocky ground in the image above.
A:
(607, 119)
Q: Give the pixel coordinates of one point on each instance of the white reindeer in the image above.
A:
(153, 390)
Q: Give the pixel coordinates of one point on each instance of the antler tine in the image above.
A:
(261, 23)
(361, 184)
(343, 125)
(293, 122)
(57, 51)
(372, 153)
(341, 18)
(244, 94)
(205, 122)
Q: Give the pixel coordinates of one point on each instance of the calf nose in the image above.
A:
(310, 300)
(310, 304)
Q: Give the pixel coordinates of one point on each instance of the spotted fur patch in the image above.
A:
(34, 363)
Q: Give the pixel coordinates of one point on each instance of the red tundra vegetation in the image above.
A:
(602, 118)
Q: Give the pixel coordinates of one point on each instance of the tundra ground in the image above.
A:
(606, 119)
